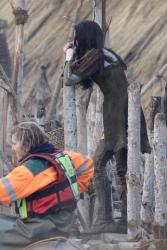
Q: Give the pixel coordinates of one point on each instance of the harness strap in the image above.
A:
(61, 159)
(50, 190)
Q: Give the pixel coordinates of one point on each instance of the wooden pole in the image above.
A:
(154, 80)
(95, 122)
(21, 16)
(82, 99)
(55, 97)
(91, 119)
(148, 197)
(160, 166)
(5, 66)
(7, 93)
(42, 97)
(134, 161)
(69, 105)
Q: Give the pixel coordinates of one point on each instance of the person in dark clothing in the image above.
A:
(108, 72)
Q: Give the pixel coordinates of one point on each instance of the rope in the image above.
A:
(40, 242)
(21, 16)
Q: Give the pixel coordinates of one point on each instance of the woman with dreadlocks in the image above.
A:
(93, 63)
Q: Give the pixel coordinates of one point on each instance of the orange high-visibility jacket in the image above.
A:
(21, 182)
(84, 169)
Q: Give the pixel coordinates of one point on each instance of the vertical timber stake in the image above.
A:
(148, 198)
(21, 16)
(160, 167)
(69, 105)
(134, 161)
(70, 119)
(42, 97)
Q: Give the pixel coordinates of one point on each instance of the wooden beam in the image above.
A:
(154, 80)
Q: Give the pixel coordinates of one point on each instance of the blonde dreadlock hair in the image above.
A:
(30, 135)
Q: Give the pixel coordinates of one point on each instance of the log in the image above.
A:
(42, 97)
(98, 129)
(20, 13)
(154, 80)
(160, 167)
(134, 161)
(54, 101)
(99, 16)
(91, 119)
(82, 99)
(148, 198)
(69, 105)
(147, 205)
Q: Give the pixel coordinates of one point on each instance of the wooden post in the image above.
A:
(98, 129)
(160, 166)
(147, 206)
(148, 198)
(134, 161)
(20, 13)
(165, 103)
(99, 16)
(82, 100)
(5, 63)
(91, 119)
(52, 112)
(43, 96)
(102, 208)
(69, 105)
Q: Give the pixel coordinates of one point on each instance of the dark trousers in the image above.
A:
(16, 234)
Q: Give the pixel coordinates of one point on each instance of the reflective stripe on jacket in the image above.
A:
(84, 169)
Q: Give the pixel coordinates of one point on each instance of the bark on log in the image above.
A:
(165, 103)
(99, 16)
(134, 161)
(3, 119)
(147, 206)
(160, 166)
(98, 129)
(54, 102)
(20, 13)
(155, 107)
(82, 99)
(69, 106)
(148, 198)
(91, 119)
(42, 97)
